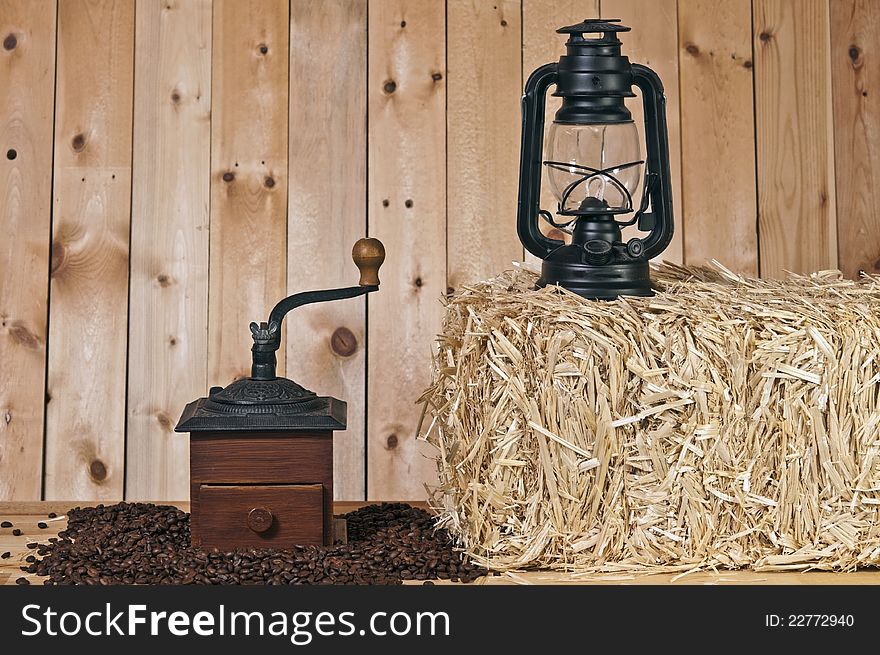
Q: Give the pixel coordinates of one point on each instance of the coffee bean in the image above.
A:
(52, 515)
(33, 544)
(42, 525)
(6, 555)
(142, 543)
(16, 532)
(22, 581)
(30, 558)
(6, 524)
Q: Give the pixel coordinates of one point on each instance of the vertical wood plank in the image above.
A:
(542, 45)
(653, 42)
(407, 211)
(855, 58)
(248, 178)
(169, 241)
(327, 214)
(484, 85)
(85, 418)
(796, 191)
(27, 77)
(719, 189)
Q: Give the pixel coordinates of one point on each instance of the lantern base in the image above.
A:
(608, 281)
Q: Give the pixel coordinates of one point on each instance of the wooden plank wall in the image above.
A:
(719, 190)
(169, 239)
(797, 222)
(173, 168)
(91, 221)
(406, 209)
(27, 75)
(855, 76)
(249, 114)
(327, 191)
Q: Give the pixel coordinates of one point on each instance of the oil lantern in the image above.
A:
(261, 449)
(594, 167)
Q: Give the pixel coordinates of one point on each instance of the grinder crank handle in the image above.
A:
(368, 256)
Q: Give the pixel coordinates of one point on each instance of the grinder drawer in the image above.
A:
(260, 516)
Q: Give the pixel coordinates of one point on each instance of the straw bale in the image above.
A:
(726, 422)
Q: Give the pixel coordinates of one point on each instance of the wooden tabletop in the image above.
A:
(26, 515)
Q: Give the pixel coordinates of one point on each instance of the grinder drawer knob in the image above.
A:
(259, 519)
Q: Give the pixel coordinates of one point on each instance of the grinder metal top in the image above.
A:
(266, 402)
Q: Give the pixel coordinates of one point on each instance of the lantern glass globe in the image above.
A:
(590, 163)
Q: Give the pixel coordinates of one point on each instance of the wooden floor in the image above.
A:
(25, 517)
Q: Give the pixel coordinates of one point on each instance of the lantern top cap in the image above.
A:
(594, 26)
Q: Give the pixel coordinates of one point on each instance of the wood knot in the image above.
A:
(386, 202)
(98, 471)
(163, 280)
(269, 182)
(391, 442)
(11, 154)
(692, 49)
(765, 36)
(436, 76)
(419, 283)
(7, 417)
(855, 55)
(59, 256)
(389, 87)
(78, 143)
(228, 176)
(172, 341)
(503, 23)
(21, 335)
(165, 422)
(263, 48)
(343, 342)
(403, 23)
(175, 96)
(10, 42)
(747, 63)
(408, 203)
(450, 291)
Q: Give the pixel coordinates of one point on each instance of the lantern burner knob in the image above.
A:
(597, 252)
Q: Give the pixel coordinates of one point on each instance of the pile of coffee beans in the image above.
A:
(142, 543)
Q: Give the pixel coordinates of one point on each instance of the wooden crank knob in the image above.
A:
(259, 519)
(368, 255)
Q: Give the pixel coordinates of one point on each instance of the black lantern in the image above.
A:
(594, 167)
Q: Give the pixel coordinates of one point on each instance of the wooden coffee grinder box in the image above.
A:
(261, 449)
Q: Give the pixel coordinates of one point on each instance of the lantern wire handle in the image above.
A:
(547, 216)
